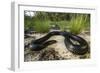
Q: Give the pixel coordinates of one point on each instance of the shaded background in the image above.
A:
(43, 22)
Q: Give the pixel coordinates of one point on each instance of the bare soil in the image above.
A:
(57, 51)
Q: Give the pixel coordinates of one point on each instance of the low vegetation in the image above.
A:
(42, 22)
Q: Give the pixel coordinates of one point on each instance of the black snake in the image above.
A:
(80, 47)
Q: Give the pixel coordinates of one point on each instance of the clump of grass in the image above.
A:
(41, 26)
(77, 24)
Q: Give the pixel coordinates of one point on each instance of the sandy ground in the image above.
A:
(57, 51)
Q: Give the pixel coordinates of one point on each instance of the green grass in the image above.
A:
(42, 22)
(77, 25)
(42, 26)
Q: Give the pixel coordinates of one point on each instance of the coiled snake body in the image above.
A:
(80, 47)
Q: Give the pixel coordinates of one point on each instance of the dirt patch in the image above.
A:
(57, 51)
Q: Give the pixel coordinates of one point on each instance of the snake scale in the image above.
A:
(80, 47)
